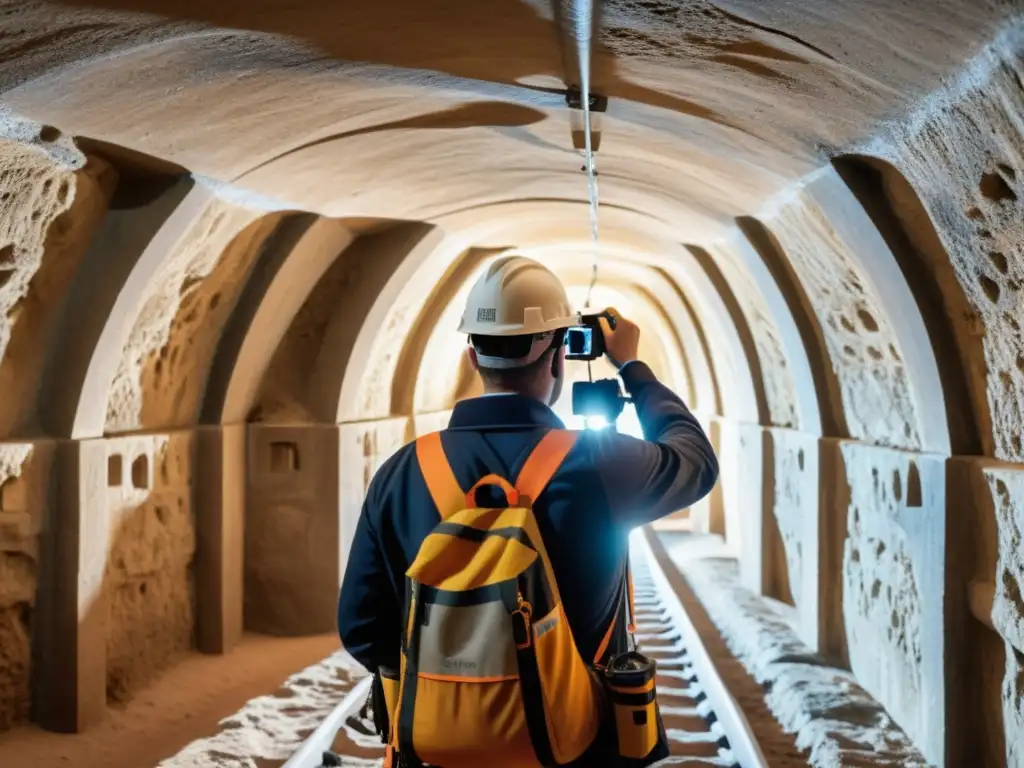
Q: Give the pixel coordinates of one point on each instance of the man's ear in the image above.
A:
(558, 362)
(471, 356)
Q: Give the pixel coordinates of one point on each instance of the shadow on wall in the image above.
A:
(21, 499)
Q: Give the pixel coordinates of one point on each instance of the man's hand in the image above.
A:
(622, 344)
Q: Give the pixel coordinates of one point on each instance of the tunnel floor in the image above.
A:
(255, 706)
(184, 705)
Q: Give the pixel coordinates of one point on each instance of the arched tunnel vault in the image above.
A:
(502, 223)
(234, 243)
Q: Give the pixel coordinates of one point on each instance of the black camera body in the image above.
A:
(585, 341)
(598, 398)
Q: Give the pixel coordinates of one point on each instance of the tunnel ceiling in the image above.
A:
(231, 221)
(415, 110)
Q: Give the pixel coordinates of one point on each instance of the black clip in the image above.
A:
(574, 100)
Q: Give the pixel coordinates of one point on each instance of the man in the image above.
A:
(606, 486)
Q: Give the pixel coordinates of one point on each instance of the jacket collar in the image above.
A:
(503, 412)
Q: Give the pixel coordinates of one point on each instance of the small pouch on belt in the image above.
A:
(384, 693)
(629, 683)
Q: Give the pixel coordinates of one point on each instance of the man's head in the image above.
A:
(516, 317)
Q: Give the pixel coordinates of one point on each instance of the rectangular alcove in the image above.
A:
(284, 457)
(115, 470)
(140, 472)
(914, 498)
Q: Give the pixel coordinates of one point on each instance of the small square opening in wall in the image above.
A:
(140, 472)
(284, 457)
(115, 470)
(914, 486)
(11, 495)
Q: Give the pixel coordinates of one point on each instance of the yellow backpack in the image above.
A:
(490, 675)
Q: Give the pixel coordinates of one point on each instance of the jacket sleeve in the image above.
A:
(369, 619)
(672, 468)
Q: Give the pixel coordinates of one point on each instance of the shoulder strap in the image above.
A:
(543, 462)
(630, 601)
(437, 472)
(626, 601)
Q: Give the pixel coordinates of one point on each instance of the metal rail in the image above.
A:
(733, 722)
(310, 754)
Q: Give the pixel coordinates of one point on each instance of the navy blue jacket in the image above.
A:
(608, 485)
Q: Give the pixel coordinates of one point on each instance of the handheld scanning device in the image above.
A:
(585, 341)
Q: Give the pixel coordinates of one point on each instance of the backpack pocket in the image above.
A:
(568, 687)
(462, 689)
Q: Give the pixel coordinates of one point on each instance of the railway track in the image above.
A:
(705, 725)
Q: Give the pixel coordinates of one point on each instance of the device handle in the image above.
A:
(606, 315)
(609, 317)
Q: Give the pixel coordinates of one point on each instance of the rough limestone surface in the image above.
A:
(1007, 486)
(795, 497)
(963, 156)
(148, 581)
(268, 730)
(779, 387)
(20, 524)
(1013, 707)
(882, 602)
(193, 259)
(174, 377)
(833, 717)
(861, 345)
(31, 315)
(34, 191)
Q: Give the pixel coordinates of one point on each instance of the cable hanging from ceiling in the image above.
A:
(583, 18)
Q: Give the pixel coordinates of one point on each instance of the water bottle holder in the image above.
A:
(633, 697)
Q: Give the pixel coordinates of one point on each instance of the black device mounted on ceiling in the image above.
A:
(574, 99)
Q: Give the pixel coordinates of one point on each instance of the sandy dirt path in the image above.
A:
(185, 704)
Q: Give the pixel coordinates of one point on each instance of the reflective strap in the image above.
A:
(543, 462)
(444, 489)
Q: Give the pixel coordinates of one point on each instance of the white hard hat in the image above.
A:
(517, 296)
